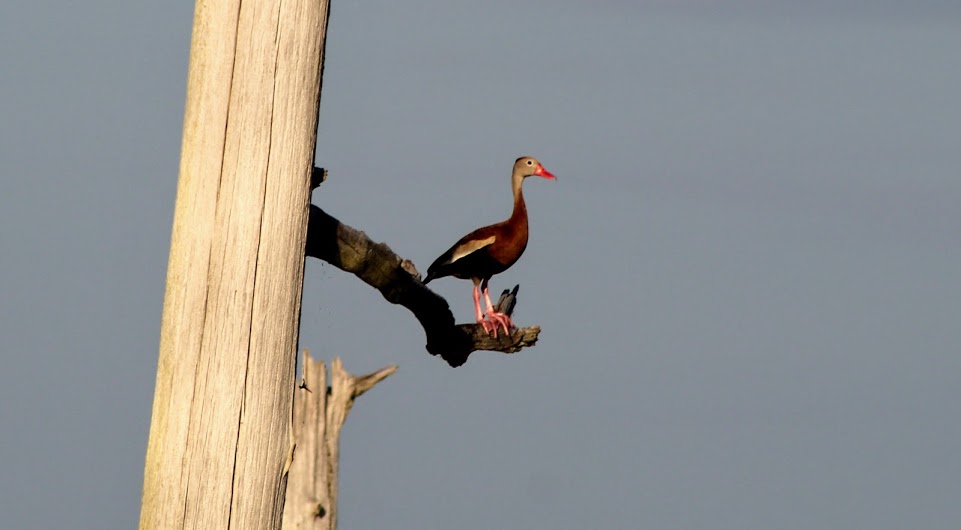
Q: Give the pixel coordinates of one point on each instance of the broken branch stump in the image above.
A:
(318, 416)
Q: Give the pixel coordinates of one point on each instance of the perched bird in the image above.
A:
(492, 249)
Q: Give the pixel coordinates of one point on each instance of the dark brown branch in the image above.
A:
(317, 177)
(398, 280)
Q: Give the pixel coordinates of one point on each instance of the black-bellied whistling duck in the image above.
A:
(492, 249)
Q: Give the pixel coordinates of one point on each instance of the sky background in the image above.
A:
(748, 273)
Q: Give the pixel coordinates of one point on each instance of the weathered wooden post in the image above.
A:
(221, 425)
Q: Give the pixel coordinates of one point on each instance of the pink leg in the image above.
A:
(497, 318)
(488, 326)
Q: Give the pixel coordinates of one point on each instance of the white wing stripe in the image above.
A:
(470, 247)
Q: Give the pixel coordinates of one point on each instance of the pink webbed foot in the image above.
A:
(495, 318)
(489, 326)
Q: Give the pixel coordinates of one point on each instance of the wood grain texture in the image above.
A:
(399, 282)
(319, 414)
(219, 433)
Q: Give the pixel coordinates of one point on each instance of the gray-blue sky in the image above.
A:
(747, 274)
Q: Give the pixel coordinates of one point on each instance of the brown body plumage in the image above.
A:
(492, 249)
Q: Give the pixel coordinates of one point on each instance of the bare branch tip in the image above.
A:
(317, 177)
(366, 382)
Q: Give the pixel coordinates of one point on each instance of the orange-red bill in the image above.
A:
(541, 172)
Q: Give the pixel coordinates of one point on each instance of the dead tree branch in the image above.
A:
(397, 279)
(321, 405)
